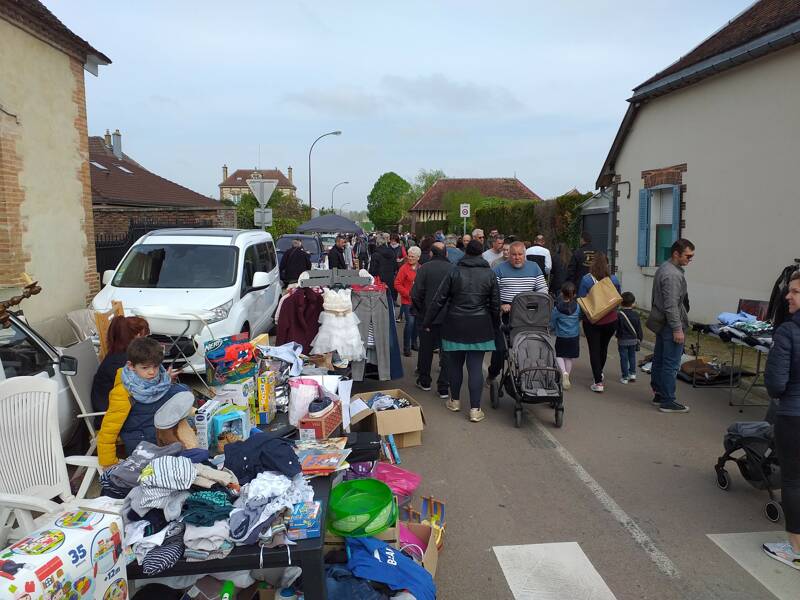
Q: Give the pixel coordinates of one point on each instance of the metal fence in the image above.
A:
(110, 248)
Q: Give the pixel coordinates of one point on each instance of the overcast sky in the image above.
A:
(477, 89)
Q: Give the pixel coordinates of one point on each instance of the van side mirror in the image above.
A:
(108, 276)
(260, 280)
(68, 365)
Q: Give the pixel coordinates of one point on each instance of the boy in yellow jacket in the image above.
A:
(141, 387)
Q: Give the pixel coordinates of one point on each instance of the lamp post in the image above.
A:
(341, 208)
(309, 161)
(334, 188)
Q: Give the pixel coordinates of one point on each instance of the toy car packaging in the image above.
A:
(229, 359)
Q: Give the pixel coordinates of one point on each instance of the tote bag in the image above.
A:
(601, 300)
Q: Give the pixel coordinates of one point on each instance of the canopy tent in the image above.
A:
(330, 224)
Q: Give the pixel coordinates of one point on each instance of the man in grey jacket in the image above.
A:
(669, 320)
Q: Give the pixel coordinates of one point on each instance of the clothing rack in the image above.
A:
(334, 278)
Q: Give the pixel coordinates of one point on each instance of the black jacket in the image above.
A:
(557, 275)
(579, 265)
(429, 278)
(383, 264)
(294, 262)
(625, 336)
(472, 298)
(336, 258)
(782, 374)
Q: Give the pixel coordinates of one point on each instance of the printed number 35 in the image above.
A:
(78, 554)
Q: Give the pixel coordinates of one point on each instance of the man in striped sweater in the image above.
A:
(515, 276)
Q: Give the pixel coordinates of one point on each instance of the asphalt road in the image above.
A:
(633, 486)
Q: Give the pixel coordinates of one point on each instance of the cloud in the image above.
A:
(351, 102)
(439, 92)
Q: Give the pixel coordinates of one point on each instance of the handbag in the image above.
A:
(601, 300)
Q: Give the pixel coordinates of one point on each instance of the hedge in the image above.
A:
(429, 228)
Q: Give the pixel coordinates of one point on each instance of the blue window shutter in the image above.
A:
(676, 212)
(643, 257)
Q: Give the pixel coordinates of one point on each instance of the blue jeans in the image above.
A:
(666, 362)
(627, 360)
(410, 328)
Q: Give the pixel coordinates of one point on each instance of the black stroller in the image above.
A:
(530, 374)
(757, 461)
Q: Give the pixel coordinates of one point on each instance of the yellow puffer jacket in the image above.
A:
(119, 406)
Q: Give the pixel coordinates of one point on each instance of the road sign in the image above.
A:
(262, 217)
(464, 211)
(262, 189)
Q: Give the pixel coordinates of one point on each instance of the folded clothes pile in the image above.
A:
(381, 401)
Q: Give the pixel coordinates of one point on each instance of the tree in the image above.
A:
(244, 211)
(326, 211)
(283, 207)
(388, 201)
(424, 180)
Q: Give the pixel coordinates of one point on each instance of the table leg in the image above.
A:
(314, 578)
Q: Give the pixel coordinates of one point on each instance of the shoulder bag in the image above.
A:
(601, 300)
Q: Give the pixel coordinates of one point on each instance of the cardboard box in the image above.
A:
(242, 395)
(322, 427)
(334, 542)
(305, 522)
(202, 422)
(263, 409)
(406, 424)
(430, 558)
(76, 554)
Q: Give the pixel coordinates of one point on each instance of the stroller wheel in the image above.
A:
(518, 417)
(723, 479)
(773, 511)
(494, 393)
(559, 417)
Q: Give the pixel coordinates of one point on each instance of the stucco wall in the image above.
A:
(739, 135)
(43, 88)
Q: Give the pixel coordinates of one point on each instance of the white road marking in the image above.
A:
(745, 549)
(551, 572)
(661, 560)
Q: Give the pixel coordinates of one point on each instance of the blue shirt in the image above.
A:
(588, 282)
(566, 325)
(513, 281)
(454, 255)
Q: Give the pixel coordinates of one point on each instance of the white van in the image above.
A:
(228, 278)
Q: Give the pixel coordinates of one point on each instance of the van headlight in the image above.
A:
(220, 312)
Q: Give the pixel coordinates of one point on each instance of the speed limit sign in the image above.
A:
(465, 211)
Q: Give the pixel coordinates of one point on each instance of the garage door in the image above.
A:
(597, 226)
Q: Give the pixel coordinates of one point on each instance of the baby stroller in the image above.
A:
(757, 462)
(530, 373)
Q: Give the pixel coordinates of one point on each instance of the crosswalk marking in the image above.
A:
(551, 572)
(745, 549)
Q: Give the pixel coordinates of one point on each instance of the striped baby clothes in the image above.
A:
(165, 556)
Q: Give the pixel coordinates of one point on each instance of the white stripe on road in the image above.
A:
(745, 549)
(551, 572)
(661, 560)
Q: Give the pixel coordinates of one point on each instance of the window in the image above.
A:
(249, 268)
(267, 258)
(124, 169)
(20, 355)
(98, 165)
(177, 266)
(659, 223)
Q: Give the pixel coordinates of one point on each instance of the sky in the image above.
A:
(531, 89)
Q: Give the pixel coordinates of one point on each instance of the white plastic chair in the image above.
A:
(33, 469)
(82, 323)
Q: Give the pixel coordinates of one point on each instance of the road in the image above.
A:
(631, 489)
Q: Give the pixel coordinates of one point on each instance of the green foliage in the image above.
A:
(424, 180)
(244, 211)
(326, 211)
(282, 226)
(388, 201)
(568, 218)
(227, 202)
(431, 227)
(511, 217)
(452, 202)
(283, 207)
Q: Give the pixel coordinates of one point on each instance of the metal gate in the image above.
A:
(110, 248)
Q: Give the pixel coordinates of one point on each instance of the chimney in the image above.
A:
(289, 175)
(107, 139)
(224, 172)
(116, 144)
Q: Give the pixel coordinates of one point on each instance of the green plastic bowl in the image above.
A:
(361, 508)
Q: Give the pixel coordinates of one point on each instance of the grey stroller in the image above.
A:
(530, 374)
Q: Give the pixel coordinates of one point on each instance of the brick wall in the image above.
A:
(115, 220)
(90, 275)
(665, 176)
(14, 258)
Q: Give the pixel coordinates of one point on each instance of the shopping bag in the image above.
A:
(601, 300)
(303, 391)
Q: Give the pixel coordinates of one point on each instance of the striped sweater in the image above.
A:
(513, 281)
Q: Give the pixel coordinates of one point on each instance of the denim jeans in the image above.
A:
(410, 327)
(627, 360)
(666, 362)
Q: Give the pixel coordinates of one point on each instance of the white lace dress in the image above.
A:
(338, 329)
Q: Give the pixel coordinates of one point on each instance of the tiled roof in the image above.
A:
(761, 18)
(34, 16)
(240, 176)
(125, 182)
(509, 188)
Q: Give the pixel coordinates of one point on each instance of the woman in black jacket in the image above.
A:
(782, 379)
(383, 262)
(472, 300)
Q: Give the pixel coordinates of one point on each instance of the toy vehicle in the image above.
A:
(196, 285)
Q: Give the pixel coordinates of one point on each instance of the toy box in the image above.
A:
(242, 395)
(229, 359)
(229, 424)
(202, 422)
(77, 554)
(305, 521)
(263, 409)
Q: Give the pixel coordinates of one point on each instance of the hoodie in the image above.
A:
(565, 319)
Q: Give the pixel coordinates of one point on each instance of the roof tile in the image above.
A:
(240, 176)
(509, 188)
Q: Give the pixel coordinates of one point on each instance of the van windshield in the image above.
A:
(177, 266)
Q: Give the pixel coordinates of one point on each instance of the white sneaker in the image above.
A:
(597, 387)
(624, 380)
(476, 414)
(565, 382)
(454, 405)
(783, 552)
(631, 378)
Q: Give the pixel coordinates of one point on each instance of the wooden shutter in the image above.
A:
(676, 212)
(643, 256)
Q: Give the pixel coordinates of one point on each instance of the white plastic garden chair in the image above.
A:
(33, 469)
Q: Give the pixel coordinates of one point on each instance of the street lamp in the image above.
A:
(341, 208)
(309, 160)
(334, 188)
